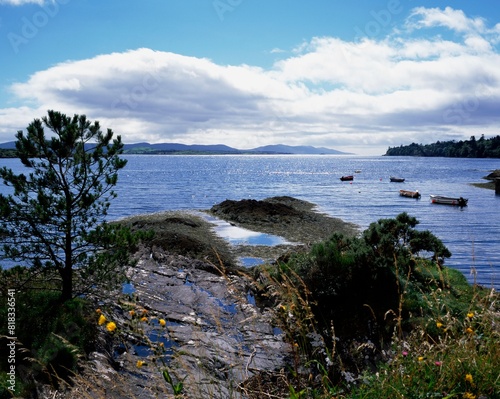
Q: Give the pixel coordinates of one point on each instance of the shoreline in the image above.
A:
(189, 233)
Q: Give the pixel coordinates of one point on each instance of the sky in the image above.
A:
(358, 76)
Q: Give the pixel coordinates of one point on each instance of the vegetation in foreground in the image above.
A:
(53, 223)
(371, 319)
(366, 317)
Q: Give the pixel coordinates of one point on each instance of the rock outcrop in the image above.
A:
(214, 337)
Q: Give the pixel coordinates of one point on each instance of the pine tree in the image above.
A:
(54, 222)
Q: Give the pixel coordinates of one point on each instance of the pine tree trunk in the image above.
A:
(67, 283)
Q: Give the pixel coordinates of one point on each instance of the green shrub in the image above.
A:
(350, 299)
(52, 336)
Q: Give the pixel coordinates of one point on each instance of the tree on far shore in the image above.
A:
(54, 221)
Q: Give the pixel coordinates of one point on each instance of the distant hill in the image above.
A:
(287, 149)
(170, 148)
(176, 148)
(10, 145)
(481, 148)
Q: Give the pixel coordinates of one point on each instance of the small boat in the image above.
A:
(409, 194)
(439, 199)
(357, 171)
(347, 178)
(397, 179)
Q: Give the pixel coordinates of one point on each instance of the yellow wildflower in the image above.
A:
(132, 313)
(469, 379)
(420, 358)
(102, 320)
(140, 363)
(98, 311)
(468, 395)
(162, 322)
(470, 315)
(111, 326)
(439, 324)
(144, 319)
(469, 330)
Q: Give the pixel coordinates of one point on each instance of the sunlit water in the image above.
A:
(157, 183)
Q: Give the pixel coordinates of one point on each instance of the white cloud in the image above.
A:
(450, 18)
(21, 2)
(344, 95)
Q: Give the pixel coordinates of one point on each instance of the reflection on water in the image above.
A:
(240, 236)
(128, 288)
(248, 261)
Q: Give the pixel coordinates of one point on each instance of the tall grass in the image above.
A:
(445, 340)
(362, 322)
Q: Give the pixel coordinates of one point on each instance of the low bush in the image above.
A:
(380, 316)
(51, 337)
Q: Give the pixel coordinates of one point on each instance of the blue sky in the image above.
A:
(355, 76)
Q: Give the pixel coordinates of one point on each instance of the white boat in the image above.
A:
(439, 199)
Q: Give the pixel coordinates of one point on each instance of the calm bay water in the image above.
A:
(157, 183)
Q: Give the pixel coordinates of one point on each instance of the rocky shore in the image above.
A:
(490, 184)
(189, 307)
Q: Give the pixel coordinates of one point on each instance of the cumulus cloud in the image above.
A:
(449, 18)
(330, 92)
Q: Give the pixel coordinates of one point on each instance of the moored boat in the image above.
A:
(347, 178)
(440, 199)
(397, 179)
(409, 193)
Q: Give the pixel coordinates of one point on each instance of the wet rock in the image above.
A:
(284, 216)
(214, 338)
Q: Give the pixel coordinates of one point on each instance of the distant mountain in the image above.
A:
(166, 148)
(176, 148)
(287, 149)
(8, 146)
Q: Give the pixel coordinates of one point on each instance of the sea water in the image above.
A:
(153, 183)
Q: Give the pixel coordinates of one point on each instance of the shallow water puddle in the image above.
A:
(241, 236)
(248, 261)
(128, 288)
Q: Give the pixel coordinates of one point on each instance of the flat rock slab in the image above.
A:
(215, 338)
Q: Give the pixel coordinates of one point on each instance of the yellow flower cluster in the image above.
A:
(140, 363)
(111, 326)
